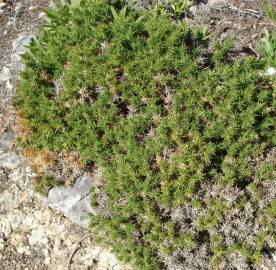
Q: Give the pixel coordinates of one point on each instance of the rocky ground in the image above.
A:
(33, 235)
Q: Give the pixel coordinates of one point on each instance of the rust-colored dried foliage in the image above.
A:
(65, 167)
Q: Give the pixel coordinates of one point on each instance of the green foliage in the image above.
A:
(44, 183)
(142, 99)
(267, 47)
(270, 12)
(179, 7)
(176, 9)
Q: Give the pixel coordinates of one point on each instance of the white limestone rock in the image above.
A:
(18, 48)
(9, 160)
(74, 201)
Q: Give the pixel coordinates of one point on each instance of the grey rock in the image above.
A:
(7, 140)
(2, 244)
(79, 212)
(19, 8)
(41, 15)
(271, 71)
(9, 86)
(18, 48)
(193, 9)
(73, 201)
(19, 44)
(5, 74)
(10, 160)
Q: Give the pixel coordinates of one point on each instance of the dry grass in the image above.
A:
(63, 166)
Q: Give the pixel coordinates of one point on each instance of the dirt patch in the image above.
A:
(244, 20)
(18, 18)
(12, 260)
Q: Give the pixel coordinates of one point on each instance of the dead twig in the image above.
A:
(76, 249)
(113, 266)
(244, 12)
(18, 9)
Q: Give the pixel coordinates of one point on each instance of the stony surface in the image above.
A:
(72, 201)
(42, 237)
(18, 48)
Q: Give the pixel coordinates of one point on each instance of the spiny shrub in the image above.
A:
(183, 137)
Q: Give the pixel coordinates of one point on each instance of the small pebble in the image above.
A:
(41, 15)
(18, 8)
(271, 71)
(2, 5)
